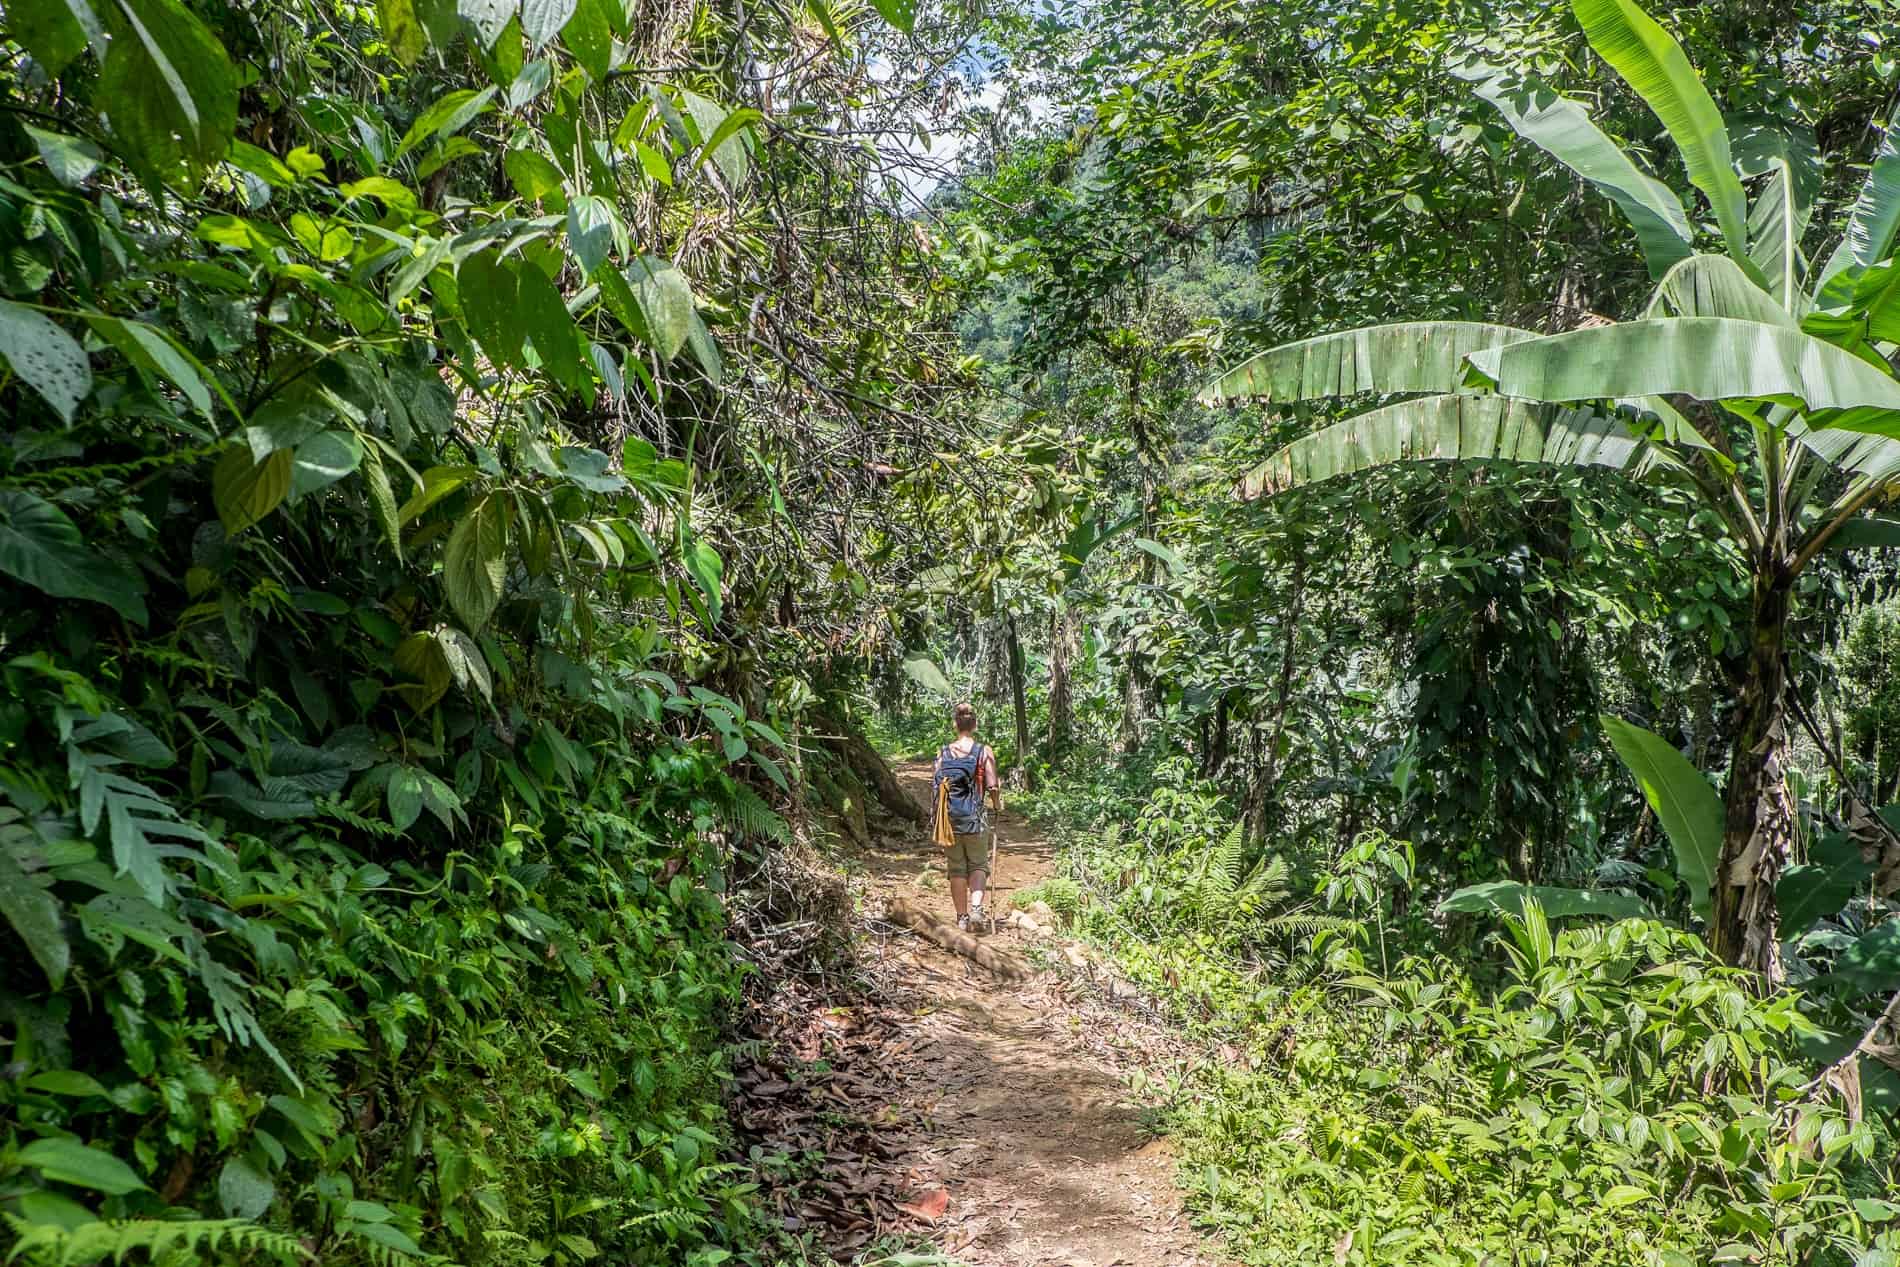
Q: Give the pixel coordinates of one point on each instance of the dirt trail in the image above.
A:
(1018, 1093)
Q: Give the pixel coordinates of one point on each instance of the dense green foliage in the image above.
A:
(1380, 1087)
(473, 469)
(1436, 700)
(381, 742)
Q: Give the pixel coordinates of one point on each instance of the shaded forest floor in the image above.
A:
(991, 1119)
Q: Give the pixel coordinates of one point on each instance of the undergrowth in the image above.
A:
(1604, 1093)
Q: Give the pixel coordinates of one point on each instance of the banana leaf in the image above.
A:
(1508, 897)
(1715, 286)
(1654, 65)
(1411, 356)
(1778, 217)
(1450, 428)
(1562, 128)
(1684, 801)
(1710, 358)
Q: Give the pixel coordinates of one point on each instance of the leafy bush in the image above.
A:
(361, 853)
(1867, 665)
(1623, 1098)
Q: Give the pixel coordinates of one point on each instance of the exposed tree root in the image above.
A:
(1004, 964)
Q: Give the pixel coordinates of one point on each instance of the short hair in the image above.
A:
(964, 716)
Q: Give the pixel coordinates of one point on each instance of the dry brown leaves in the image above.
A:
(824, 1090)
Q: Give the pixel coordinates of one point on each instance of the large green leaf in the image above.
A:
(1655, 66)
(41, 547)
(707, 570)
(716, 130)
(542, 20)
(1562, 128)
(1508, 897)
(167, 87)
(66, 1160)
(448, 115)
(901, 14)
(1684, 801)
(665, 300)
(474, 562)
(322, 460)
(1775, 225)
(1450, 428)
(1871, 228)
(245, 490)
(54, 31)
(589, 35)
(244, 1191)
(1868, 532)
(922, 670)
(1822, 885)
(1875, 457)
(591, 230)
(551, 329)
(1715, 286)
(487, 18)
(46, 358)
(1778, 217)
(1710, 358)
(488, 289)
(1876, 216)
(32, 911)
(402, 29)
(1410, 356)
(69, 158)
(158, 356)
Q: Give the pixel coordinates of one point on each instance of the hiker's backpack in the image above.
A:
(961, 774)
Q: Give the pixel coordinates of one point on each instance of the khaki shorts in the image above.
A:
(969, 853)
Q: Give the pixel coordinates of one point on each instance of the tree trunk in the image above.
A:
(1758, 824)
(994, 655)
(1017, 671)
(1134, 705)
(1267, 770)
(869, 766)
(1061, 689)
(1253, 805)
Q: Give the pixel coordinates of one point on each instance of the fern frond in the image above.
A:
(342, 813)
(1265, 884)
(1306, 923)
(160, 1240)
(1232, 856)
(746, 812)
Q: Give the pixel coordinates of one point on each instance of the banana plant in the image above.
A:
(1751, 379)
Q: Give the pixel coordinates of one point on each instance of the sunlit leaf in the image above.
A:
(1684, 802)
(474, 564)
(246, 490)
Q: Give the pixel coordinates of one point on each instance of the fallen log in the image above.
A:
(1001, 962)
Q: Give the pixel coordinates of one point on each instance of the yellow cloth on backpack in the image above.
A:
(940, 829)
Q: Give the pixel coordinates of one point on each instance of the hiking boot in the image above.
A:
(963, 923)
(980, 922)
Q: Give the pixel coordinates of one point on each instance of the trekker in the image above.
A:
(965, 772)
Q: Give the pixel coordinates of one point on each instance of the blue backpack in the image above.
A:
(962, 773)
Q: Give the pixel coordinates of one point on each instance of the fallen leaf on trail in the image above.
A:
(929, 1206)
